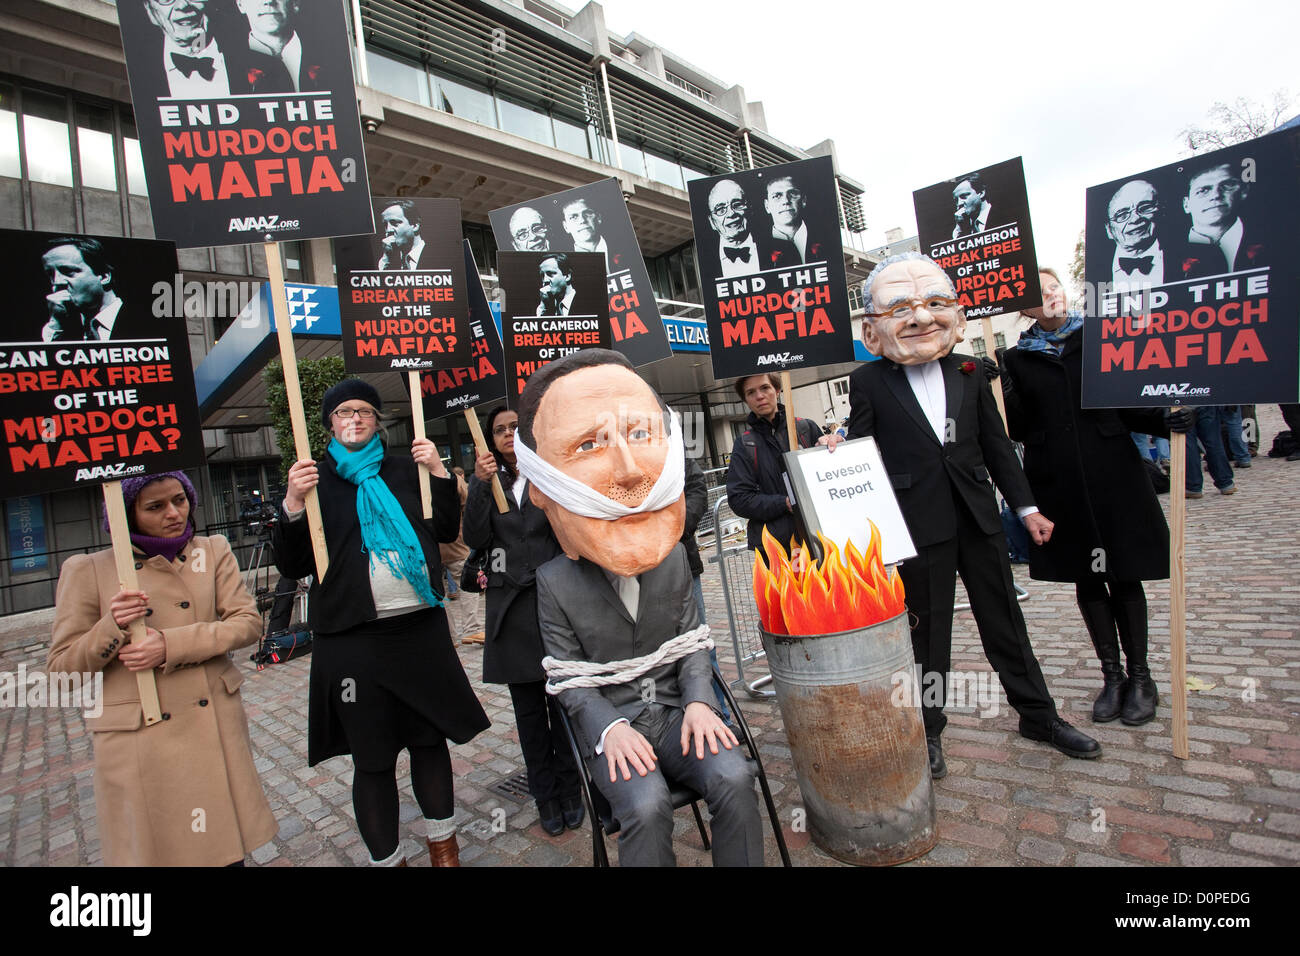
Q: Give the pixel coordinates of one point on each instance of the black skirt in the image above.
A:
(388, 685)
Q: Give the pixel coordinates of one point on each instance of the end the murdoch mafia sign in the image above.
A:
(93, 386)
(248, 120)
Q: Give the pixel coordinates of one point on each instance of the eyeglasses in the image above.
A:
(365, 414)
(499, 430)
(536, 230)
(722, 208)
(1144, 209)
(935, 305)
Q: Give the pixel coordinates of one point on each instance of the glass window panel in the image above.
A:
(134, 167)
(465, 101)
(10, 165)
(980, 350)
(526, 122)
(98, 160)
(664, 170)
(688, 173)
(400, 79)
(571, 137)
(633, 159)
(49, 159)
(999, 340)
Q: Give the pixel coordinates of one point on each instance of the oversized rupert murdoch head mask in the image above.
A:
(912, 311)
(604, 460)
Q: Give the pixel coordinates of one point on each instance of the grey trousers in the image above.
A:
(644, 809)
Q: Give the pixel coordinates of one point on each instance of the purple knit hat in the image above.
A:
(131, 488)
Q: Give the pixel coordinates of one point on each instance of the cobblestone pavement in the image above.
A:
(1006, 800)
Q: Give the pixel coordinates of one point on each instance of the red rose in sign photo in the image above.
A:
(313, 72)
(255, 76)
(1189, 264)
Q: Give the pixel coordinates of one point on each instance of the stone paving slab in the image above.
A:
(1006, 800)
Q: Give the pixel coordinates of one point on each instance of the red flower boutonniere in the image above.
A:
(1189, 264)
(313, 72)
(775, 256)
(1252, 252)
(966, 367)
(254, 76)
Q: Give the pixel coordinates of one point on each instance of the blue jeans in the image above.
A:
(1208, 431)
(723, 709)
(1144, 444)
(1237, 449)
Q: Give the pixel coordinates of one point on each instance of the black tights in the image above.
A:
(1115, 607)
(374, 797)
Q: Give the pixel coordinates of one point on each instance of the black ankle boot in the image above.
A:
(1140, 696)
(1107, 706)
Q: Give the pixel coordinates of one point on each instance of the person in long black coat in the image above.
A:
(1086, 473)
(520, 542)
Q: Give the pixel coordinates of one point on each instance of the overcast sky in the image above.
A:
(914, 93)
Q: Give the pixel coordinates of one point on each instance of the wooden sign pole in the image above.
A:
(481, 448)
(123, 557)
(417, 426)
(293, 391)
(987, 324)
(787, 397)
(1178, 589)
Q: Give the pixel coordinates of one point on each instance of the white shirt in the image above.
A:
(517, 489)
(628, 590)
(1126, 281)
(927, 385)
(195, 86)
(739, 267)
(290, 55)
(800, 239)
(101, 325)
(981, 222)
(411, 260)
(1228, 243)
(598, 247)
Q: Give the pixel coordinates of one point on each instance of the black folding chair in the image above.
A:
(603, 822)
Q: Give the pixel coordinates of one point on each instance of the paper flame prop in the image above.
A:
(842, 593)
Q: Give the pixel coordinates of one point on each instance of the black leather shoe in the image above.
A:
(938, 769)
(573, 811)
(1066, 739)
(551, 817)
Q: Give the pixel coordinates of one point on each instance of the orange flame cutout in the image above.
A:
(844, 591)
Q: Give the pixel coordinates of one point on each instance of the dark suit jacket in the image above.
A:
(247, 72)
(318, 71)
(512, 652)
(1197, 260)
(772, 254)
(129, 325)
(930, 477)
(583, 619)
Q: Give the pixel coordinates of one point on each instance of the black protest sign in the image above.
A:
(247, 120)
(594, 218)
(402, 291)
(96, 383)
(555, 305)
(772, 268)
(447, 390)
(1191, 277)
(976, 227)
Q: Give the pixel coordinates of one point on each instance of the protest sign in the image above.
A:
(403, 292)
(95, 374)
(772, 268)
(840, 494)
(482, 379)
(555, 305)
(976, 227)
(594, 218)
(247, 120)
(1190, 270)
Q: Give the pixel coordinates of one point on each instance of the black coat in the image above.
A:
(697, 502)
(521, 541)
(345, 599)
(1086, 472)
(929, 476)
(755, 487)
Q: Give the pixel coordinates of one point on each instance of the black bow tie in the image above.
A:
(737, 254)
(1140, 264)
(202, 65)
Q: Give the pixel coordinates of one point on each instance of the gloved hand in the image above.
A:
(991, 369)
(1180, 419)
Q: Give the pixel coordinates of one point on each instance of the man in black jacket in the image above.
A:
(755, 486)
(941, 439)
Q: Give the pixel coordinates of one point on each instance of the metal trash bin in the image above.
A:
(860, 758)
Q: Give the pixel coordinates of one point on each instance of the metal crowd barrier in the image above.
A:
(736, 564)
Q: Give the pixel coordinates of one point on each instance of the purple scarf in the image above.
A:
(167, 547)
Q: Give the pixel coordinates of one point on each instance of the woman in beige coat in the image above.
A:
(183, 792)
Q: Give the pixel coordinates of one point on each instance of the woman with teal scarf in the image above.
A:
(1087, 476)
(385, 676)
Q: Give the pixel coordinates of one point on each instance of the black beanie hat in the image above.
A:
(347, 389)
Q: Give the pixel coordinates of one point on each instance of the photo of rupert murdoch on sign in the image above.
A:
(1191, 269)
(248, 119)
(772, 268)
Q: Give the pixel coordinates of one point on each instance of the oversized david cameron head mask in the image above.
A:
(604, 460)
(912, 311)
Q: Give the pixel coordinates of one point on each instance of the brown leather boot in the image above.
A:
(444, 852)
